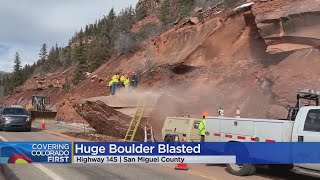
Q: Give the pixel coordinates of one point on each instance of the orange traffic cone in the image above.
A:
(43, 125)
(181, 166)
(238, 112)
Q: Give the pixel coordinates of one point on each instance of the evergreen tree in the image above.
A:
(43, 53)
(108, 25)
(79, 56)
(185, 7)
(17, 63)
(141, 13)
(164, 12)
(17, 74)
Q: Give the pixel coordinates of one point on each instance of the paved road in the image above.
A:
(80, 172)
(122, 171)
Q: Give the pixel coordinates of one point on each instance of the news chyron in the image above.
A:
(160, 152)
(105, 153)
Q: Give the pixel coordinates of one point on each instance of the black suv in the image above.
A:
(15, 118)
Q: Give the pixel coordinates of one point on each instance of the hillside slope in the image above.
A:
(224, 60)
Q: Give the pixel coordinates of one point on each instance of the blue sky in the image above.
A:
(27, 24)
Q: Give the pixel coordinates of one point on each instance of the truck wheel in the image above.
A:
(28, 129)
(169, 138)
(241, 169)
(278, 168)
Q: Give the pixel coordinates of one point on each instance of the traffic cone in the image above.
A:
(238, 112)
(43, 125)
(181, 166)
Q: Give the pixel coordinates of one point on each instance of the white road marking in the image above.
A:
(40, 166)
(48, 172)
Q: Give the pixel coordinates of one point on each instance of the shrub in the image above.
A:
(125, 43)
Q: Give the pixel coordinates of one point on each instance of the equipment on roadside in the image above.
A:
(220, 111)
(238, 112)
(181, 166)
(135, 122)
(148, 134)
(181, 127)
(39, 108)
(302, 127)
(43, 125)
(312, 98)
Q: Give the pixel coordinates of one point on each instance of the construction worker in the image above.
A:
(126, 82)
(113, 83)
(134, 81)
(202, 126)
(122, 79)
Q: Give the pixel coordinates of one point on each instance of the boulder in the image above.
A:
(105, 119)
(194, 20)
(198, 10)
(294, 27)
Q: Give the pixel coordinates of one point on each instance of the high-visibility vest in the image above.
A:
(122, 79)
(114, 79)
(202, 127)
(126, 81)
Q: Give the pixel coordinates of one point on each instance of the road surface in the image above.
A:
(117, 171)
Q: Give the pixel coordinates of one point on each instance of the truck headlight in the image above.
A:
(28, 119)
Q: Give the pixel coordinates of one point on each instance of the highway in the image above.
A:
(117, 171)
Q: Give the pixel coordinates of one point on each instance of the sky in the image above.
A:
(27, 24)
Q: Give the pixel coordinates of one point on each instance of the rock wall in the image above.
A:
(296, 26)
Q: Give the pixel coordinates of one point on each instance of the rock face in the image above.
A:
(49, 80)
(149, 5)
(296, 26)
(299, 70)
(201, 66)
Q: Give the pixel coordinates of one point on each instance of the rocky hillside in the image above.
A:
(254, 56)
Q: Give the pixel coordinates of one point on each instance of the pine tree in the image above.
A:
(17, 74)
(111, 15)
(17, 63)
(79, 56)
(43, 55)
(108, 25)
(184, 7)
(164, 12)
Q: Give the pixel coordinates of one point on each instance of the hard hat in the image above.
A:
(204, 113)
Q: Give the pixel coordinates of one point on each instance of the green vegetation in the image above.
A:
(164, 13)
(94, 45)
(168, 16)
(185, 7)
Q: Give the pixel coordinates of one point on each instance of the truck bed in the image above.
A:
(225, 129)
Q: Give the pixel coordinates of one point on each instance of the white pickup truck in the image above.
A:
(304, 128)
